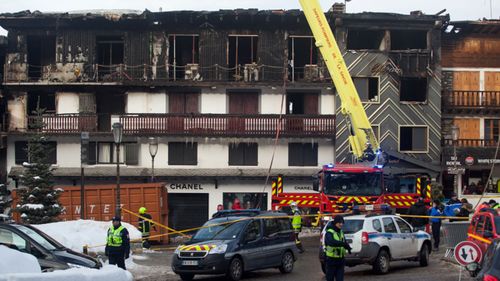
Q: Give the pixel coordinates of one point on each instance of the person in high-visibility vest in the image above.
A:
(118, 243)
(145, 227)
(335, 250)
(297, 225)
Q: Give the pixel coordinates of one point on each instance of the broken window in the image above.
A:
(413, 89)
(242, 52)
(365, 39)
(302, 103)
(243, 154)
(21, 152)
(105, 153)
(183, 56)
(110, 51)
(182, 153)
(413, 139)
(408, 39)
(367, 87)
(302, 154)
(41, 52)
(108, 104)
(42, 100)
(303, 58)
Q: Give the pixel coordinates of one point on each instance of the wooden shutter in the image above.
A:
(310, 154)
(87, 103)
(251, 154)
(132, 153)
(236, 154)
(295, 154)
(52, 152)
(192, 103)
(311, 104)
(191, 154)
(176, 103)
(244, 103)
(92, 153)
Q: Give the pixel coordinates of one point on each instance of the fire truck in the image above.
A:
(340, 186)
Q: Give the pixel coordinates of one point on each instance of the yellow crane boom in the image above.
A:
(362, 137)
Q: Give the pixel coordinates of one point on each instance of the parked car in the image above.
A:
(379, 239)
(489, 268)
(51, 254)
(237, 241)
(484, 226)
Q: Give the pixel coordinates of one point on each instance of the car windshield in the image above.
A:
(220, 229)
(352, 226)
(46, 242)
(365, 184)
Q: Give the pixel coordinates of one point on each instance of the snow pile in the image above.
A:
(32, 206)
(13, 261)
(108, 272)
(76, 234)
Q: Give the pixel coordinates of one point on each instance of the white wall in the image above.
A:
(213, 101)
(67, 102)
(141, 102)
(270, 102)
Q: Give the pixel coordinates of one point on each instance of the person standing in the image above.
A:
(418, 209)
(145, 227)
(335, 249)
(297, 225)
(118, 243)
(436, 211)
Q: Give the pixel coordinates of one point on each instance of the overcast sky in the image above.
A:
(458, 9)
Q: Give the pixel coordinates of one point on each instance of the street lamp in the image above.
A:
(153, 149)
(117, 135)
(455, 133)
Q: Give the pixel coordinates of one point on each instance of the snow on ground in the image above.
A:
(13, 261)
(76, 234)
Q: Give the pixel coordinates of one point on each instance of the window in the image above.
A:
(389, 225)
(491, 130)
(301, 52)
(182, 153)
(271, 227)
(105, 153)
(252, 232)
(352, 226)
(367, 88)
(183, 50)
(377, 225)
(41, 52)
(403, 226)
(302, 154)
(242, 50)
(237, 201)
(408, 39)
(298, 103)
(413, 89)
(243, 154)
(110, 53)
(42, 100)
(21, 152)
(285, 225)
(365, 39)
(12, 240)
(413, 138)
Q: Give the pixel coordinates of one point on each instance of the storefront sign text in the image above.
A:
(488, 161)
(303, 187)
(186, 186)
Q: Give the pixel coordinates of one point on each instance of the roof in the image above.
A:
(485, 27)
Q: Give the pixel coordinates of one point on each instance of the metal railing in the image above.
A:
(472, 99)
(472, 143)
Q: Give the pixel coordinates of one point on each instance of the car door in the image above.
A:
(272, 242)
(407, 238)
(391, 235)
(251, 249)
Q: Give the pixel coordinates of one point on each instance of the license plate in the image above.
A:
(189, 262)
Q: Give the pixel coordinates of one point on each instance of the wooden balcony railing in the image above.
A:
(472, 143)
(472, 99)
(230, 125)
(258, 125)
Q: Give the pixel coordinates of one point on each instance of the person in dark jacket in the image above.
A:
(418, 209)
(335, 249)
(453, 200)
(118, 243)
(145, 227)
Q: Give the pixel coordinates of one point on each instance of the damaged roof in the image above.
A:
(486, 27)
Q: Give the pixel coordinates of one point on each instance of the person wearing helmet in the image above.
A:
(117, 244)
(335, 250)
(297, 225)
(145, 227)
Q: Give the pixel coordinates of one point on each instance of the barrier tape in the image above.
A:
(479, 238)
(173, 231)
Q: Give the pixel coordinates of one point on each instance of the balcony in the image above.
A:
(471, 102)
(212, 125)
(472, 143)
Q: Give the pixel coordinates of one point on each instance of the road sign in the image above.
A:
(467, 252)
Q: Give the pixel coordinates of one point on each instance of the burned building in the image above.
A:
(217, 88)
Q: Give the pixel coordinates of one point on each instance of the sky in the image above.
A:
(458, 9)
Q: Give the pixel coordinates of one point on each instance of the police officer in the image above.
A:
(335, 250)
(118, 243)
(297, 225)
(145, 227)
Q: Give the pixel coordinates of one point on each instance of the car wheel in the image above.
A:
(286, 263)
(381, 264)
(235, 270)
(424, 255)
(187, 277)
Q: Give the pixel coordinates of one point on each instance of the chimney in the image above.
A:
(338, 8)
